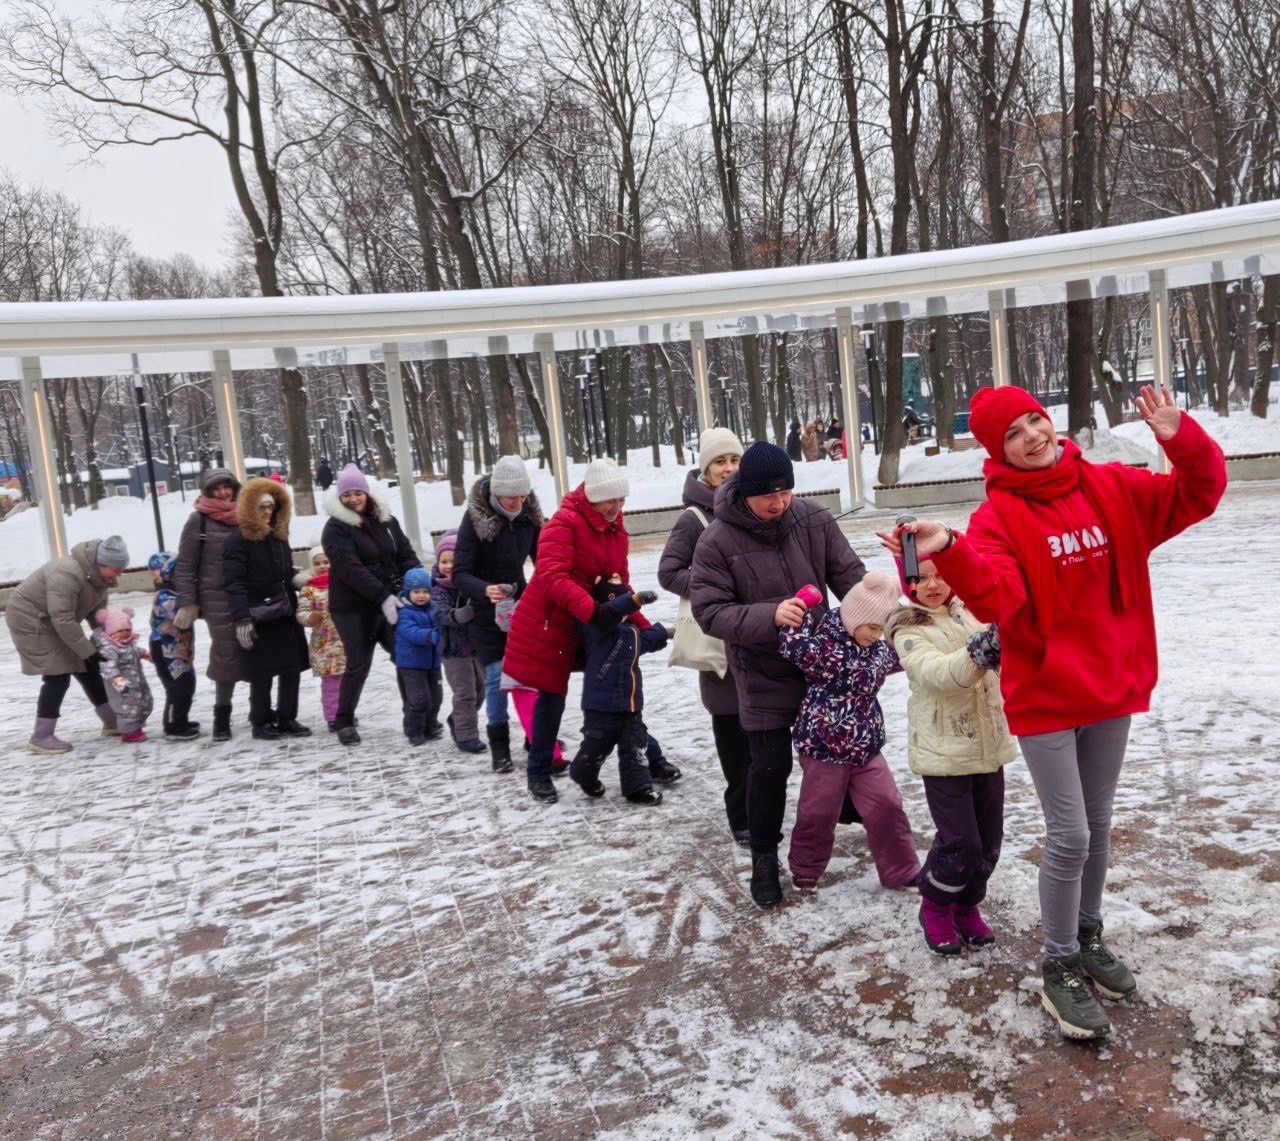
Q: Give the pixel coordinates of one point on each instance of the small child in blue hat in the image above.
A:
(173, 652)
(418, 659)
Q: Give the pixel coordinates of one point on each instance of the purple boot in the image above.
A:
(972, 928)
(939, 928)
(44, 742)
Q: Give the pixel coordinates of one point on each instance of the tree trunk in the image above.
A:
(1268, 324)
(1080, 342)
(944, 381)
(377, 431)
(504, 400)
(655, 422)
(677, 417)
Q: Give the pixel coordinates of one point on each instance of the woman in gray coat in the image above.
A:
(197, 579)
(45, 618)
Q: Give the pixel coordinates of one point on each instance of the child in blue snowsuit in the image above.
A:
(418, 659)
(613, 696)
(173, 652)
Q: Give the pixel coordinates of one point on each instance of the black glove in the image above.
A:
(606, 617)
(670, 631)
(463, 614)
(984, 648)
(646, 597)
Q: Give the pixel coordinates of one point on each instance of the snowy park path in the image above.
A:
(305, 941)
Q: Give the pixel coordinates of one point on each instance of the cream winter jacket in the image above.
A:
(955, 716)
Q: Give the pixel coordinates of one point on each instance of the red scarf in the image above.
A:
(1009, 489)
(320, 581)
(222, 510)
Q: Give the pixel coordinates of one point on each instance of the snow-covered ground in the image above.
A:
(309, 941)
(22, 542)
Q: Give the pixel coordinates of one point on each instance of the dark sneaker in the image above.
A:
(742, 837)
(1068, 999)
(347, 735)
(475, 745)
(939, 923)
(1112, 978)
(267, 732)
(541, 789)
(182, 733)
(648, 796)
(765, 888)
(293, 728)
(664, 772)
(416, 741)
(806, 885)
(972, 928)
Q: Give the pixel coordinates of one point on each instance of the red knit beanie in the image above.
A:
(992, 410)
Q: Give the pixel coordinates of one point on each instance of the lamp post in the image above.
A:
(140, 392)
(873, 374)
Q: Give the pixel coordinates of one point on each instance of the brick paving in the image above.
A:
(305, 941)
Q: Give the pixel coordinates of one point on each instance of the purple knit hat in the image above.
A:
(351, 478)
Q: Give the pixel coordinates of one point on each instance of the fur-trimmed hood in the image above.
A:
(251, 527)
(913, 614)
(487, 521)
(336, 509)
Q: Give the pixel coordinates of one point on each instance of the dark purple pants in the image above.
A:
(968, 812)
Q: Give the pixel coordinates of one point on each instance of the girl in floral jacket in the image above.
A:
(839, 734)
(328, 659)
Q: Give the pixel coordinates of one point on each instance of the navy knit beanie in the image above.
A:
(765, 468)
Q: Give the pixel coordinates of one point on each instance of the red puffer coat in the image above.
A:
(576, 547)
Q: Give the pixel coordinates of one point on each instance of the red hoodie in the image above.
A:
(1098, 659)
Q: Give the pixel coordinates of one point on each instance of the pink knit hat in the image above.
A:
(351, 478)
(870, 602)
(114, 621)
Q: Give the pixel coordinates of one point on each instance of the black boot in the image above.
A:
(765, 888)
(500, 747)
(222, 723)
(541, 789)
(292, 728)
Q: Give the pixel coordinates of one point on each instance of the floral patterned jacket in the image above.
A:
(840, 721)
(328, 659)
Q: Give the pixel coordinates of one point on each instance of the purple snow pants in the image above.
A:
(968, 812)
(875, 795)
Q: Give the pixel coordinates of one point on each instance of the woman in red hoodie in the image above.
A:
(1057, 556)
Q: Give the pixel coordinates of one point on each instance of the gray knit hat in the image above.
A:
(112, 553)
(509, 477)
(215, 476)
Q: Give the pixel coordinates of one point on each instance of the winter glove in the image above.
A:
(606, 617)
(645, 597)
(463, 614)
(391, 609)
(186, 617)
(671, 633)
(984, 648)
(245, 634)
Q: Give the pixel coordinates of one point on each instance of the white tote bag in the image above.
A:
(691, 648)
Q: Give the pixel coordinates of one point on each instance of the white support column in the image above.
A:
(546, 346)
(403, 445)
(999, 338)
(846, 356)
(43, 451)
(1161, 345)
(224, 399)
(701, 381)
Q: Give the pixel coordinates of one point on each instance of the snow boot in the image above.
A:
(43, 740)
(416, 741)
(663, 771)
(1068, 1001)
(267, 731)
(1112, 978)
(645, 796)
(293, 728)
(972, 928)
(741, 837)
(541, 789)
(938, 921)
(347, 735)
(475, 745)
(500, 747)
(222, 723)
(110, 727)
(765, 888)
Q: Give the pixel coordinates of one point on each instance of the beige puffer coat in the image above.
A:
(955, 715)
(46, 613)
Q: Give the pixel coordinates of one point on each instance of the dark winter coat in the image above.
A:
(455, 616)
(742, 568)
(576, 547)
(719, 694)
(840, 720)
(324, 475)
(259, 570)
(197, 579)
(46, 613)
(492, 550)
(794, 450)
(611, 680)
(417, 638)
(368, 555)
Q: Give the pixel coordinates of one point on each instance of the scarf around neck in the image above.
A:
(223, 510)
(510, 516)
(1010, 490)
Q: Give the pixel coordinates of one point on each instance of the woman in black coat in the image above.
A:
(794, 450)
(368, 557)
(498, 533)
(258, 579)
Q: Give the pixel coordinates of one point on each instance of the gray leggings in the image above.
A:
(1075, 772)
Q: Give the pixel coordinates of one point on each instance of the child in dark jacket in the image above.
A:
(455, 616)
(418, 659)
(839, 734)
(173, 652)
(613, 695)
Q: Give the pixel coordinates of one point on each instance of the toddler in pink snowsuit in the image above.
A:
(839, 734)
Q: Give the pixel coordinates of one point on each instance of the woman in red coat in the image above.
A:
(583, 541)
(1057, 555)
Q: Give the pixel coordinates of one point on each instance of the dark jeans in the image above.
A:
(968, 812)
(734, 751)
(286, 698)
(179, 690)
(54, 688)
(547, 712)
(360, 633)
(423, 694)
(600, 733)
(767, 786)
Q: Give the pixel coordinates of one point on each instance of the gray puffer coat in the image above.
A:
(127, 691)
(45, 614)
(742, 568)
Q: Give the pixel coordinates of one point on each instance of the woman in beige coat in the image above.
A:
(46, 617)
(959, 743)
